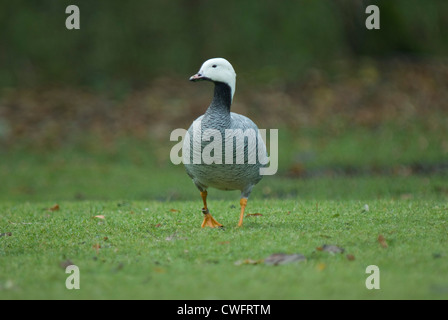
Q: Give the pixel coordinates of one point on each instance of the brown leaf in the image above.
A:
(100, 217)
(54, 208)
(247, 261)
(174, 210)
(283, 258)
(350, 257)
(158, 225)
(253, 214)
(96, 247)
(382, 241)
(297, 170)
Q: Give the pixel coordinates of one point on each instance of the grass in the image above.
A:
(157, 250)
(150, 245)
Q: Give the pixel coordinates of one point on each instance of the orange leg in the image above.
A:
(204, 198)
(209, 221)
(243, 203)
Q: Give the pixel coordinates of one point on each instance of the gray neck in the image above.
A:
(222, 99)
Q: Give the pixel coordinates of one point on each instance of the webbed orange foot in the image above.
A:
(209, 221)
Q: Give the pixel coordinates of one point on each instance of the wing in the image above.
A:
(254, 146)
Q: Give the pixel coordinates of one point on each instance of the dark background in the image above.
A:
(126, 44)
(347, 100)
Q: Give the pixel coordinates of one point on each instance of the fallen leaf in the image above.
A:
(105, 238)
(100, 217)
(330, 248)
(224, 242)
(158, 225)
(248, 261)
(253, 214)
(321, 266)
(54, 208)
(297, 170)
(97, 247)
(283, 258)
(382, 241)
(350, 257)
(174, 210)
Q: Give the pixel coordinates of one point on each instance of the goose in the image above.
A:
(235, 173)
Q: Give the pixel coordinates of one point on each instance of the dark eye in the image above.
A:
(214, 66)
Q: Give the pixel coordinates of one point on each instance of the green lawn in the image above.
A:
(157, 250)
(150, 245)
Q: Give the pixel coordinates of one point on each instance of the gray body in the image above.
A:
(224, 176)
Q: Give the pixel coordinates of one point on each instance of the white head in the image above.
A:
(217, 70)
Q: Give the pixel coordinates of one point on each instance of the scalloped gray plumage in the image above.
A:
(223, 176)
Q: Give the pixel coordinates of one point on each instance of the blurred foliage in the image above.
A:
(371, 114)
(125, 44)
(308, 66)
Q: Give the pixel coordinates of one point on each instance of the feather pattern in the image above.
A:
(228, 127)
